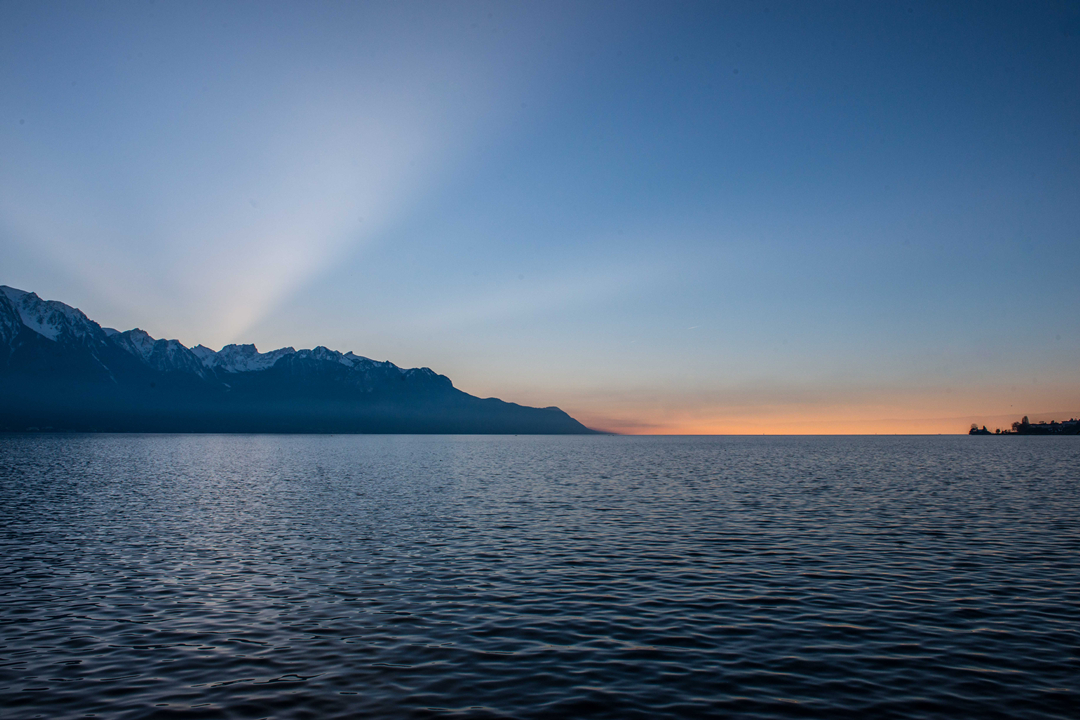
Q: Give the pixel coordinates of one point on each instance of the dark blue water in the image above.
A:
(537, 577)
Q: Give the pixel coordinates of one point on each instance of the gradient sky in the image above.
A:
(661, 217)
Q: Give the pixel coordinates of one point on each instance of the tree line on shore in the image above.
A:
(1026, 427)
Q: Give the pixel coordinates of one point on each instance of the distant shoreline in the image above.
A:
(1026, 427)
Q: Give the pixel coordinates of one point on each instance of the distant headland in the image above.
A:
(1026, 427)
(61, 371)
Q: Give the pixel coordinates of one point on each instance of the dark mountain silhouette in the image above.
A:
(61, 371)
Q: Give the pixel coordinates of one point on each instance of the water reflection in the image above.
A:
(322, 576)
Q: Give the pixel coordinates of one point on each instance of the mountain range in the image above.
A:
(61, 371)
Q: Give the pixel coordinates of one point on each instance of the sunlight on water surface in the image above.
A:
(321, 576)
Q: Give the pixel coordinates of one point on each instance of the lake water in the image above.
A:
(539, 577)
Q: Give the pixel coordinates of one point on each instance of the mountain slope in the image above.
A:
(60, 370)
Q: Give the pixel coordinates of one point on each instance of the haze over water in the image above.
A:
(431, 576)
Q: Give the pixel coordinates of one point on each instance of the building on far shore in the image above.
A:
(1026, 427)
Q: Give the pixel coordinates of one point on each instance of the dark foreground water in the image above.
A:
(534, 577)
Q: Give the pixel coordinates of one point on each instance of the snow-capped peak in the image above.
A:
(361, 361)
(24, 312)
(204, 354)
(242, 358)
(164, 355)
(50, 318)
(327, 355)
(138, 342)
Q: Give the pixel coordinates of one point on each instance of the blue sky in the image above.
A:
(715, 217)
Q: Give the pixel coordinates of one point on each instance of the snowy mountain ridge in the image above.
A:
(61, 371)
(58, 322)
(50, 318)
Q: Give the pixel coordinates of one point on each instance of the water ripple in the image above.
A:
(495, 577)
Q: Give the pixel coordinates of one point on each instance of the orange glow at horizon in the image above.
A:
(804, 421)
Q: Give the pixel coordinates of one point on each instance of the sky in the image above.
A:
(759, 217)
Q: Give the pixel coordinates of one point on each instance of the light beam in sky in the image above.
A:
(691, 218)
(272, 149)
